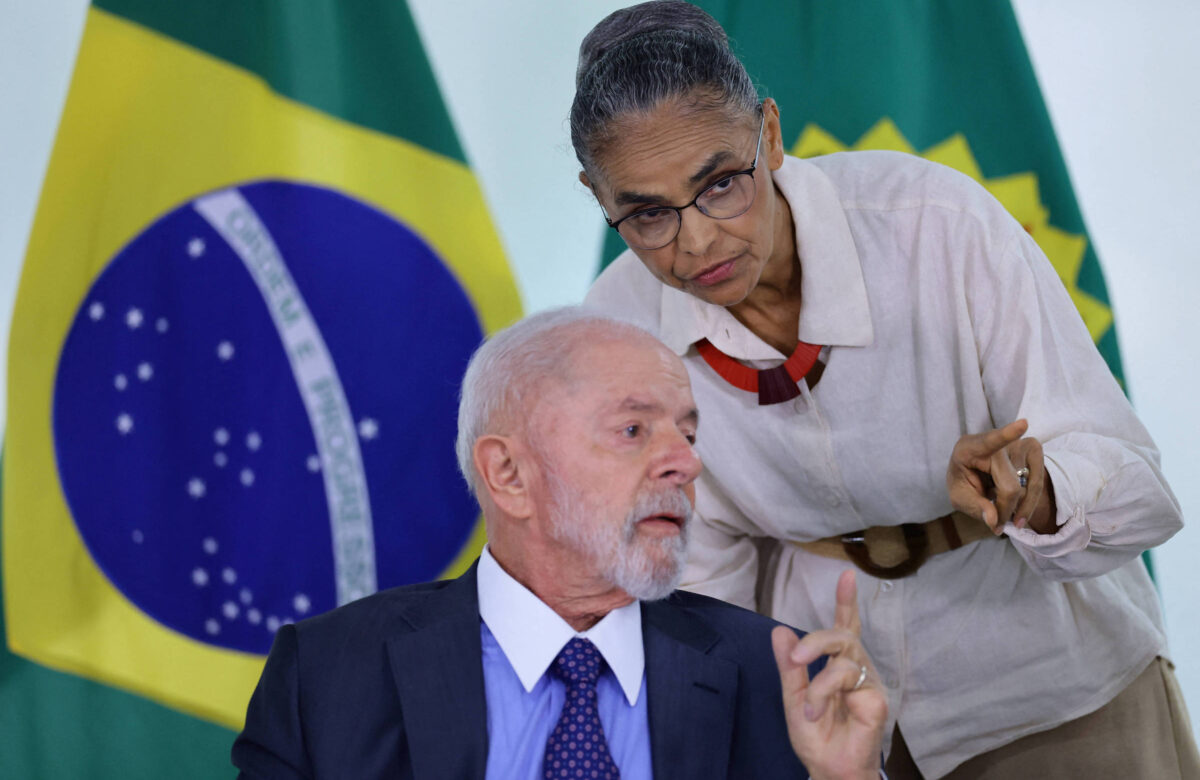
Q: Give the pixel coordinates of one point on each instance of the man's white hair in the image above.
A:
(505, 372)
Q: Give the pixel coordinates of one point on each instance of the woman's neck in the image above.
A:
(772, 309)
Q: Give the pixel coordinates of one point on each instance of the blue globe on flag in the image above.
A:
(255, 407)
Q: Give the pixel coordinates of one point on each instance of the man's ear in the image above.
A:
(585, 181)
(501, 469)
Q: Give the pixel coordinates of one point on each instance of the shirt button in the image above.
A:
(799, 405)
(832, 498)
(887, 586)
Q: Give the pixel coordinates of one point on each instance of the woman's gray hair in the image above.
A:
(508, 370)
(640, 56)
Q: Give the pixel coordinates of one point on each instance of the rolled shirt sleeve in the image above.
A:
(1038, 362)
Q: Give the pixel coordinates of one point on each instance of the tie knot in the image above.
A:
(578, 662)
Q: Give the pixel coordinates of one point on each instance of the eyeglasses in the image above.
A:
(655, 227)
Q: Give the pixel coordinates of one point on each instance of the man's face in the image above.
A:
(616, 445)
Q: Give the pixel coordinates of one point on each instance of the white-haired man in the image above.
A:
(566, 651)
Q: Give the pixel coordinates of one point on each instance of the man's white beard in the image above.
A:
(625, 559)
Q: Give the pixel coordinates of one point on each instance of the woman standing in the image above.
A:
(851, 324)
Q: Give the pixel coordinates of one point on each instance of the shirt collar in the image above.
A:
(531, 634)
(835, 310)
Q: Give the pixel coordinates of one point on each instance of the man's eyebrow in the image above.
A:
(632, 404)
(710, 165)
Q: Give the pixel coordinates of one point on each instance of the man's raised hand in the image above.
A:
(836, 720)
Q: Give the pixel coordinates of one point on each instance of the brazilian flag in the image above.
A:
(947, 80)
(259, 265)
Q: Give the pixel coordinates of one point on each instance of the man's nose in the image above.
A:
(696, 231)
(678, 461)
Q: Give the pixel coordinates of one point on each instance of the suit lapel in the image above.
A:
(438, 669)
(692, 694)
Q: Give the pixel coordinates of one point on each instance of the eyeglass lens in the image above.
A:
(655, 228)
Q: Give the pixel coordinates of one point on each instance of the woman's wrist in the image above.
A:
(1045, 517)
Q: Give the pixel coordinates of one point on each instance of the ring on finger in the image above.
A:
(862, 678)
(1023, 476)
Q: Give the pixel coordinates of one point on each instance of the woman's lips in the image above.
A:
(715, 275)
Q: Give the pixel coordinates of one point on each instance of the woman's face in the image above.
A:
(667, 158)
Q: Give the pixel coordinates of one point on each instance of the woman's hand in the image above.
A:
(836, 721)
(984, 480)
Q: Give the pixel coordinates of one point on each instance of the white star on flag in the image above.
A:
(195, 487)
(368, 428)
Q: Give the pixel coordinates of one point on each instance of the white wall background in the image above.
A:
(1119, 78)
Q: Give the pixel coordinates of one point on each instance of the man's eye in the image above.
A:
(631, 431)
(691, 437)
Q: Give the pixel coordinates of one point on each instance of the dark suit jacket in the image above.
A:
(392, 687)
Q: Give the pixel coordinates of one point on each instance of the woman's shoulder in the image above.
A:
(885, 179)
(626, 291)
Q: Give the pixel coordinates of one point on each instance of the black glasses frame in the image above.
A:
(694, 202)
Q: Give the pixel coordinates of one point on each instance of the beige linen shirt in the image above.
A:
(942, 318)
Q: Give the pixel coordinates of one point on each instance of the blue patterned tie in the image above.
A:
(577, 748)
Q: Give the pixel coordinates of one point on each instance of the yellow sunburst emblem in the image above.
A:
(1018, 193)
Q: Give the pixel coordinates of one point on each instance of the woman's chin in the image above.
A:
(728, 293)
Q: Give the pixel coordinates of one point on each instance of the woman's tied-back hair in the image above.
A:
(640, 56)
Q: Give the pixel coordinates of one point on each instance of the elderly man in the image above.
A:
(566, 652)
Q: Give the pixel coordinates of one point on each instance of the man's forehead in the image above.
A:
(638, 374)
(629, 355)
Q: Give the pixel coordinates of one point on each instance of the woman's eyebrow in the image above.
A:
(711, 164)
(717, 159)
(635, 197)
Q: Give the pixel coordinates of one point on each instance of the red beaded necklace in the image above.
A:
(773, 385)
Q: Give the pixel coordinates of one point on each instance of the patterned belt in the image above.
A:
(890, 552)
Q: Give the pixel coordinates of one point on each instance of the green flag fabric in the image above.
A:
(258, 267)
(949, 81)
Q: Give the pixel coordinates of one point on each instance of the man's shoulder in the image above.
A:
(381, 614)
(739, 626)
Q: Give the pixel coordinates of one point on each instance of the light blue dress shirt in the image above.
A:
(521, 637)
